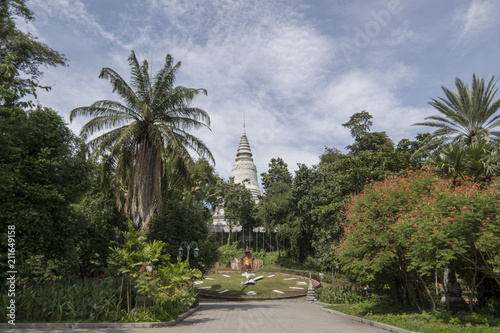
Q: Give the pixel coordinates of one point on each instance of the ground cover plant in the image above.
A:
(263, 287)
(390, 312)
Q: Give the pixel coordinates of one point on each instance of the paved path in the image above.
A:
(250, 316)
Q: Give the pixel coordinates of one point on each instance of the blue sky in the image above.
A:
(297, 69)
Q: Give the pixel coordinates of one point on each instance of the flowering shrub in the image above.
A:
(404, 230)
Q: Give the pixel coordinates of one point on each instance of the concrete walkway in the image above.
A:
(251, 316)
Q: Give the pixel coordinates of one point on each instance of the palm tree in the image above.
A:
(467, 115)
(149, 127)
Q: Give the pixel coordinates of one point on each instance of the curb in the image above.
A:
(99, 325)
(368, 321)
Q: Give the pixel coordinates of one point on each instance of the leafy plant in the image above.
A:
(343, 295)
(147, 271)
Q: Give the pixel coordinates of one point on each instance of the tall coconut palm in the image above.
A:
(150, 125)
(468, 115)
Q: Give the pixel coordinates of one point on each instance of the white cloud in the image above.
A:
(402, 34)
(479, 16)
(261, 58)
(83, 24)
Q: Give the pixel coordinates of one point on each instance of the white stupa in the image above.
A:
(244, 172)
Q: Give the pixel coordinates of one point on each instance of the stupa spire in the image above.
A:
(244, 152)
(244, 170)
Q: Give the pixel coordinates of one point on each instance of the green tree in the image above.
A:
(275, 206)
(467, 115)
(343, 175)
(277, 172)
(185, 222)
(204, 185)
(100, 223)
(44, 171)
(364, 140)
(409, 148)
(359, 124)
(151, 125)
(239, 206)
(21, 55)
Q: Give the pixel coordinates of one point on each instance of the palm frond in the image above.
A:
(144, 132)
(120, 86)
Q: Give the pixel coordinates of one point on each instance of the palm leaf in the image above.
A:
(144, 133)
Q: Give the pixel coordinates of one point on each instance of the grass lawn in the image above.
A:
(229, 285)
(427, 322)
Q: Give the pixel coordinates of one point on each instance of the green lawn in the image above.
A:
(264, 287)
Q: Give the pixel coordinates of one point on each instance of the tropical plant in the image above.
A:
(147, 271)
(467, 115)
(478, 161)
(149, 127)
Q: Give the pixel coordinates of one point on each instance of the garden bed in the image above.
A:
(227, 285)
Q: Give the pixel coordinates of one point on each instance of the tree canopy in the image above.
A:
(21, 55)
(149, 127)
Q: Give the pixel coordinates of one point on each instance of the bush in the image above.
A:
(405, 230)
(343, 295)
(228, 252)
(90, 299)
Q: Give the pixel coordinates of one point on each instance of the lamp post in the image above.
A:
(196, 251)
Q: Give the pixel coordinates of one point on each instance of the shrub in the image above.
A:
(91, 299)
(343, 295)
(406, 229)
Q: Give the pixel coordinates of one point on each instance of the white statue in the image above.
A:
(249, 279)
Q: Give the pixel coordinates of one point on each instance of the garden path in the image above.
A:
(250, 316)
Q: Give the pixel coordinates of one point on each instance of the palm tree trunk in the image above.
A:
(144, 190)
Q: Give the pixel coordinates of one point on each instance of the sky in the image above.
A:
(296, 70)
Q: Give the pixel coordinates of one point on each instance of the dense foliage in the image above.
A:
(44, 172)
(405, 230)
(147, 130)
(306, 210)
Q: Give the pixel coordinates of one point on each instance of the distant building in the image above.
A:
(244, 172)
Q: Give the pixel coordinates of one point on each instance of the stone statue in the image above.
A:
(452, 292)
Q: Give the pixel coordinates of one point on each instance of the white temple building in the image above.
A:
(244, 172)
